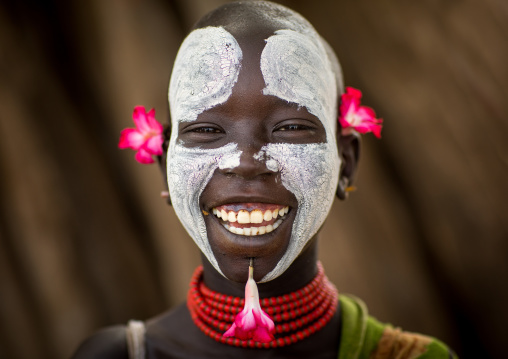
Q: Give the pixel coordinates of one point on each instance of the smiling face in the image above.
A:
(252, 161)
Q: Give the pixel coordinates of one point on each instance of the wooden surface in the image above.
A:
(85, 240)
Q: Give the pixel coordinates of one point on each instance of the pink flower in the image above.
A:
(252, 322)
(353, 116)
(146, 138)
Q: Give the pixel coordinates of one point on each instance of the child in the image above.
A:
(254, 160)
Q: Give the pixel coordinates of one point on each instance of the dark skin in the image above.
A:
(252, 120)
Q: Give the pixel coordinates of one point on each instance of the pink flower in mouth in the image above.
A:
(146, 138)
(353, 116)
(252, 322)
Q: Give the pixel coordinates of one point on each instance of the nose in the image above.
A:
(251, 164)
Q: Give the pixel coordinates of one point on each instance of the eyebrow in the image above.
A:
(278, 101)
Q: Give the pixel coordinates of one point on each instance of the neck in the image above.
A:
(299, 273)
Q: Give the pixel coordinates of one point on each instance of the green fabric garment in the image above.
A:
(361, 333)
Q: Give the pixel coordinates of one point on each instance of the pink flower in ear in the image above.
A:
(146, 138)
(353, 116)
(252, 322)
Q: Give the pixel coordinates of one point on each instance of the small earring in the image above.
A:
(350, 189)
(343, 189)
(165, 194)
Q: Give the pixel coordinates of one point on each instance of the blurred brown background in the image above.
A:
(86, 241)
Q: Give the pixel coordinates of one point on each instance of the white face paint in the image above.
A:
(296, 68)
(205, 71)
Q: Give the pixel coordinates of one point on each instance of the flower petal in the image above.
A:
(142, 156)
(262, 335)
(154, 125)
(131, 138)
(243, 334)
(266, 321)
(230, 332)
(247, 322)
(140, 119)
(154, 145)
(366, 112)
(354, 93)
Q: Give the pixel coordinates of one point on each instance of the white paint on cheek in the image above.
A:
(189, 170)
(296, 68)
(310, 172)
(205, 71)
(272, 165)
(229, 162)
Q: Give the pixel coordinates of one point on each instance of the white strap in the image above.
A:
(136, 339)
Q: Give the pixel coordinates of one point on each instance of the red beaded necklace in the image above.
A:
(297, 315)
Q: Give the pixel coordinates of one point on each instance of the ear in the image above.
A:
(349, 152)
(162, 160)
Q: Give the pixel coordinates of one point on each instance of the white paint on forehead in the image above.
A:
(205, 71)
(311, 173)
(189, 170)
(296, 68)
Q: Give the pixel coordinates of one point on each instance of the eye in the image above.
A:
(204, 129)
(294, 127)
(200, 133)
(299, 130)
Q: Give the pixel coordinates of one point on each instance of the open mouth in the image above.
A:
(251, 219)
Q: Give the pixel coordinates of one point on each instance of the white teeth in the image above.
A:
(243, 216)
(256, 216)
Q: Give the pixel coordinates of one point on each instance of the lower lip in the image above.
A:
(254, 231)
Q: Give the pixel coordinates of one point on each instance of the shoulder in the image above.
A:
(365, 337)
(110, 343)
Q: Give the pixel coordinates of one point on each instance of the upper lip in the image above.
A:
(246, 199)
